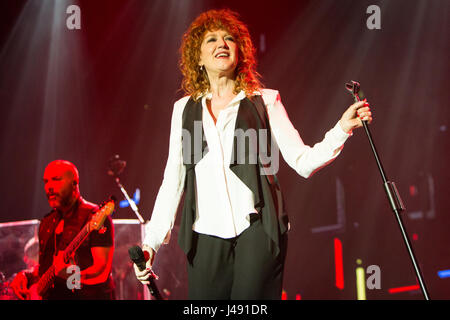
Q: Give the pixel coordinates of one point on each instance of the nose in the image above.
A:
(222, 43)
(48, 188)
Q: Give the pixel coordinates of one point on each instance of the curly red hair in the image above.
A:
(195, 81)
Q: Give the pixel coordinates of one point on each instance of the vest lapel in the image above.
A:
(248, 121)
(194, 144)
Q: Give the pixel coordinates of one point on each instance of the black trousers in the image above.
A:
(241, 268)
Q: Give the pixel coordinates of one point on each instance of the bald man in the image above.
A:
(70, 212)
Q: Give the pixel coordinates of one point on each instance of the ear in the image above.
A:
(74, 183)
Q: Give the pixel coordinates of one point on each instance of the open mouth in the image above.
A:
(222, 55)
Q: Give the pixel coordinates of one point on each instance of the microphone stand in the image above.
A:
(116, 166)
(391, 191)
(130, 201)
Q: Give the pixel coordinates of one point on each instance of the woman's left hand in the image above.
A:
(353, 116)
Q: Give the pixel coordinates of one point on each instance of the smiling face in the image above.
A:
(219, 53)
(61, 184)
(196, 51)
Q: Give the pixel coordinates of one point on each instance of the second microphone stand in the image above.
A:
(116, 166)
(391, 191)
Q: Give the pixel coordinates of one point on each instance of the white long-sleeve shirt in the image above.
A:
(223, 200)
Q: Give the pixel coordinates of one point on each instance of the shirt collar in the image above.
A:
(240, 96)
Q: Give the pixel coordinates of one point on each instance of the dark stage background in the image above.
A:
(85, 95)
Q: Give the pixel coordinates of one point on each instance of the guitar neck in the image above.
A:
(76, 242)
(46, 280)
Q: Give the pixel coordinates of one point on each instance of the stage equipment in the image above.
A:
(391, 190)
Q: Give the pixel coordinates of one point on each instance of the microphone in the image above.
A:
(137, 256)
(355, 89)
(116, 166)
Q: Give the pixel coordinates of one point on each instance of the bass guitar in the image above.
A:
(39, 288)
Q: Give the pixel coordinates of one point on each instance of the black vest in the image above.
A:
(73, 223)
(267, 194)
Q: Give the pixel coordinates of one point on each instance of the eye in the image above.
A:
(211, 39)
(229, 38)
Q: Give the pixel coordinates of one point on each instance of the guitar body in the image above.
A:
(39, 288)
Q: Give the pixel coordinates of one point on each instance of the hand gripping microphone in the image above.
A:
(137, 256)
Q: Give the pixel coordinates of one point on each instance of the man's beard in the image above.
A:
(60, 202)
